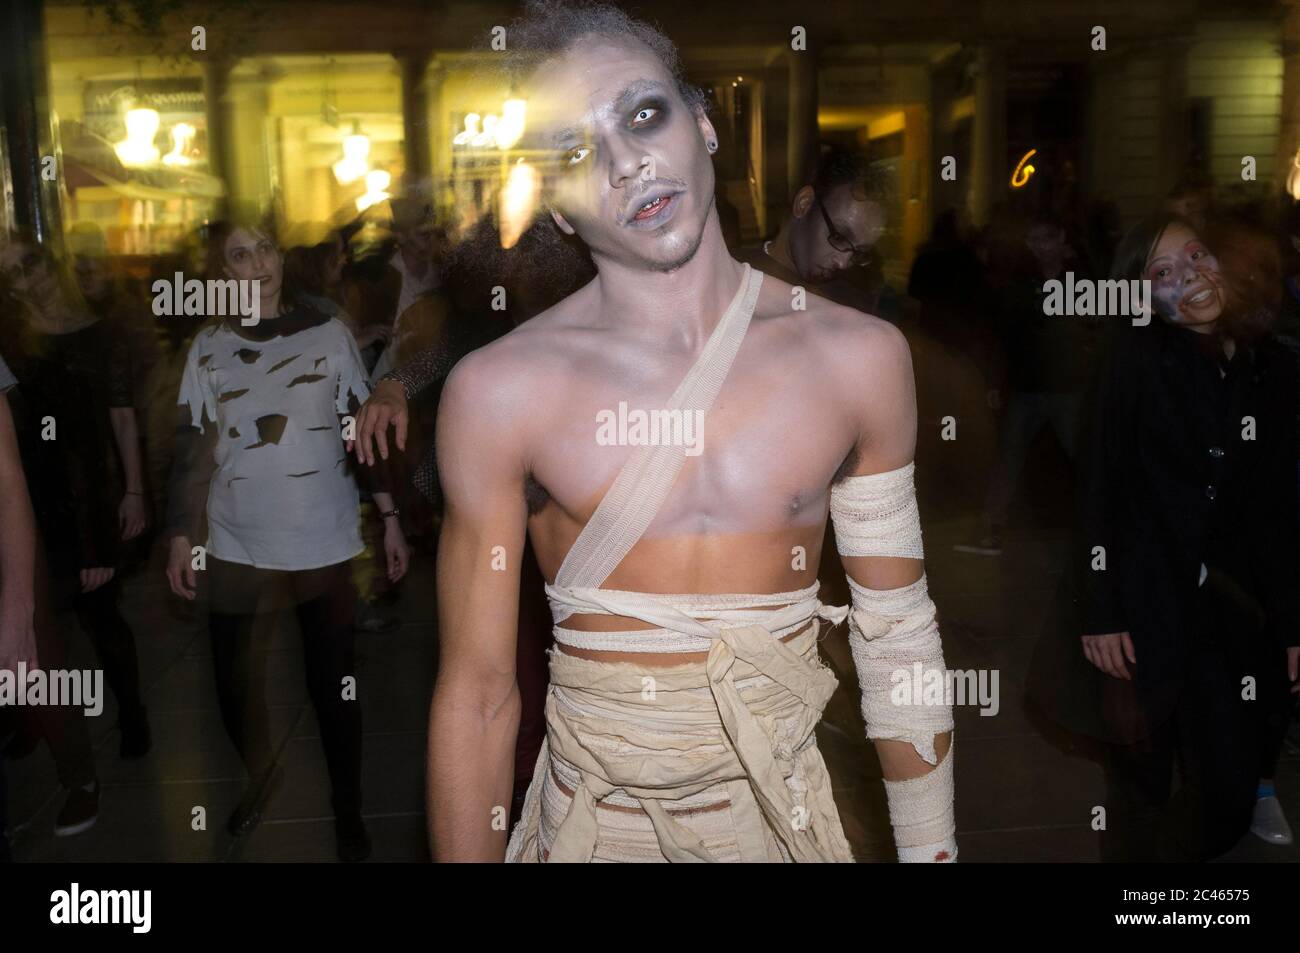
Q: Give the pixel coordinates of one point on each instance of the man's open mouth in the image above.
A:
(654, 208)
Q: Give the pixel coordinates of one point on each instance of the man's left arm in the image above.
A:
(892, 624)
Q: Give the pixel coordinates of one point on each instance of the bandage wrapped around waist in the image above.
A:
(899, 656)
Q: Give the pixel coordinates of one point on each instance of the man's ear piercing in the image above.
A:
(713, 145)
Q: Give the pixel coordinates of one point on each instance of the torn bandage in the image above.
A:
(920, 810)
(894, 639)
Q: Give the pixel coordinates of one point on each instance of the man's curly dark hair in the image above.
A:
(549, 28)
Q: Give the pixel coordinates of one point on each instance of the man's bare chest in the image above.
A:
(762, 457)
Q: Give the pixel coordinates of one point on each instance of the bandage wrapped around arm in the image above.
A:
(899, 657)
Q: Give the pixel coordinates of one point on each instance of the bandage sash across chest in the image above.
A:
(729, 627)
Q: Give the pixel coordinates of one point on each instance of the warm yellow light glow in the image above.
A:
(487, 137)
(1022, 173)
(518, 202)
(377, 182)
(182, 136)
(466, 135)
(510, 128)
(137, 149)
(1293, 178)
(354, 164)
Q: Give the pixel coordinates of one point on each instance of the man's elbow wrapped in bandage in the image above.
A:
(890, 632)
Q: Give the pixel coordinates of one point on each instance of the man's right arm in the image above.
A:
(474, 717)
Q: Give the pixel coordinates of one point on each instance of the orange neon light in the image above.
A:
(1017, 178)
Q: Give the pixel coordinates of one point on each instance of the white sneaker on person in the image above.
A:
(1269, 823)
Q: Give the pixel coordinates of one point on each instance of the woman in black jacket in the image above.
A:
(1185, 595)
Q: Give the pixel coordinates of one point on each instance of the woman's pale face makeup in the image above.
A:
(252, 255)
(1186, 286)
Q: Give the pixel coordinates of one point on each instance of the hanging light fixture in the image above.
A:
(487, 138)
(466, 135)
(142, 122)
(182, 136)
(377, 182)
(510, 127)
(137, 149)
(356, 153)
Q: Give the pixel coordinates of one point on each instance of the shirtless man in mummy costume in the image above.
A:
(685, 682)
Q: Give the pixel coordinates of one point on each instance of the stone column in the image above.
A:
(415, 117)
(989, 145)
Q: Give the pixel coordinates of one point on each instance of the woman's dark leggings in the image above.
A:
(100, 615)
(245, 604)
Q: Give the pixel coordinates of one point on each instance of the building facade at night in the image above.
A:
(316, 110)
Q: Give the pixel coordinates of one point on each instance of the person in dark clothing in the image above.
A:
(834, 224)
(77, 429)
(1046, 359)
(535, 278)
(1269, 823)
(949, 330)
(1184, 587)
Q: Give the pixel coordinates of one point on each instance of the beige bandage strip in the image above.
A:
(891, 633)
(643, 483)
(920, 810)
(876, 515)
(899, 657)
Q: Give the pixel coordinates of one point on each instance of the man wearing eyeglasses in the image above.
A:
(834, 224)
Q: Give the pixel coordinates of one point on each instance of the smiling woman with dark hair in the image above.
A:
(1187, 563)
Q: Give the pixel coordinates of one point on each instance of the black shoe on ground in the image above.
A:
(137, 739)
(248, 813)
(80, 812)
(352, 838)
(989, 544)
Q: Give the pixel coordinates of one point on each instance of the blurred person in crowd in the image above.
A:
(129, 317)
(1046, 361)
(953, 349)
(1183, 587)
(834, 223)
(412, 268)
(1192, 199)
(1251, 259)
(260, 458)
(17, 576)
(77, 428)
(108, 295)
(534, 280)
(318, 270)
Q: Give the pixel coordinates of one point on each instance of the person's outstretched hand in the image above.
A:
(386, 406)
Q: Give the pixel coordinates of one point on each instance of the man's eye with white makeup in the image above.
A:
(644, 115)
(576, 155)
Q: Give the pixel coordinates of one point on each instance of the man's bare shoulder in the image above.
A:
(843, 337)
(507, 373)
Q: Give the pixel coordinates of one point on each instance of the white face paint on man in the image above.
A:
(1186, 286)
(635, 178)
